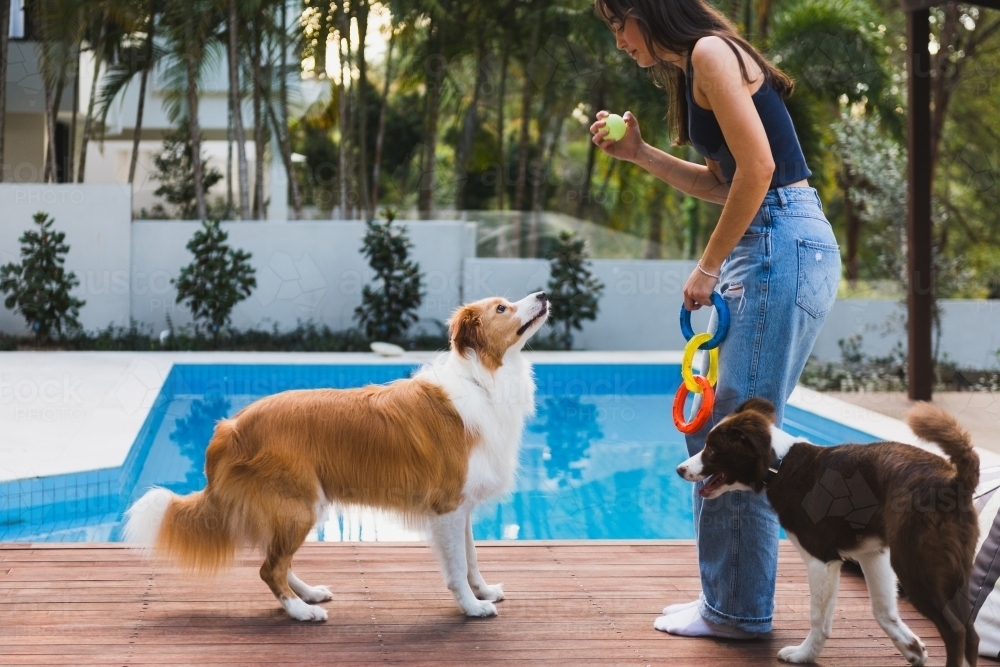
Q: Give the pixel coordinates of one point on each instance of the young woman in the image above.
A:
(772, 255)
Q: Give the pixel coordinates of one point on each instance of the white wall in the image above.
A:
(304, 270)
(314, 270)
(639, 311)
(96, 220)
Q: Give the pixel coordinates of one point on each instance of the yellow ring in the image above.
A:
(687, 362)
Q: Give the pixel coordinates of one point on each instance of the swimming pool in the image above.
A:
(597, 461)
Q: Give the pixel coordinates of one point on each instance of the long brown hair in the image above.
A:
(676, 25)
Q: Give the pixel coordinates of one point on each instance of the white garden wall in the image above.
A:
(305, 270)
(96, 220)
(314, 270)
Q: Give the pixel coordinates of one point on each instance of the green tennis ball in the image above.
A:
(615, 125)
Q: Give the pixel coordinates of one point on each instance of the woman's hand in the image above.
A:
(698, 290)
(626, 148)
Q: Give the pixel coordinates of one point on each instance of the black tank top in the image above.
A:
(707, 138)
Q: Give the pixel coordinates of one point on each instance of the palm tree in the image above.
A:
(361, 10)
(109, 25)
(235, 102)
(59, 26)
(190, 28)
(136, 54)
(4, 30)
(380, 134)
(279, 116)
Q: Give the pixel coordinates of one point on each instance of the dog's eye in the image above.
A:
(501, 308)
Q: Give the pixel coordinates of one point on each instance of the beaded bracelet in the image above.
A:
(717, 276)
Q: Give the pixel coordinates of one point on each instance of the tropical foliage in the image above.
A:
(216, 280)
(573, 291)
(389, 309)
(38, 287)
(485, 104)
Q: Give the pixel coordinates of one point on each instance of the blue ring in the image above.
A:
(721, 330)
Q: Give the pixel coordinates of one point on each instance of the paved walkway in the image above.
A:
(977, 411)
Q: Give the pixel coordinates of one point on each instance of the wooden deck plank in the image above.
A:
(581, 603)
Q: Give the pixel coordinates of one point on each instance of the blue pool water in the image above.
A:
(597, 461)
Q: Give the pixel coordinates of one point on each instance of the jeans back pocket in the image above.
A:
(819, 277)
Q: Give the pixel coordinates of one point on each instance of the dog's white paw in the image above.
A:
(492, 593)
(480, 609)
(915, 653)
(798, 654)
(316, 594)
(301, 611)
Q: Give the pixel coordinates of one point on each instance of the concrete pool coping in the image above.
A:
(68, 412)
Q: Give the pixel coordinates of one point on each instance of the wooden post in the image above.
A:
(920, 293)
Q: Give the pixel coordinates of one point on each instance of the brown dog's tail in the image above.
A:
(195, 529)
(936, 425)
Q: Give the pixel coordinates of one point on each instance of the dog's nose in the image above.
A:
(681, 470)
(541, 296)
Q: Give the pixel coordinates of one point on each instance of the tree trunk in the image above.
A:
(763, 19)
(584, 193)
(89, 119)
(48, 170)
(362, 14)
(654, 240)
(433, 82)
(229, 158)
(469, 125)
(377, 162)
(4, 30)
(853, 223)
(501, 95)
(148, 65)
(344, 44)
(293, 183)
(527, 91)
(235, 99)
(943, 84)
(258, 133)
(284, 144)
(53, 100)
(192, 94)
(543, 163)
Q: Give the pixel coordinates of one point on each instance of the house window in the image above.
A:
(19, 24)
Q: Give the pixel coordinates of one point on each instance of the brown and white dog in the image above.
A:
(887, 505)
(429, 448)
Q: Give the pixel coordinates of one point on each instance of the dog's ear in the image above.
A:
(465, 330)
(761, 406)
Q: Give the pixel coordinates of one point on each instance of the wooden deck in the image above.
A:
(569, 603)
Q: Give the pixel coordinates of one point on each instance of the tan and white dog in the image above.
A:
(429, 448)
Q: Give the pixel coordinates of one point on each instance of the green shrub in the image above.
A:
(387, 313)
(176, 175)
(38, 287)
(217, 279)
(573, 290)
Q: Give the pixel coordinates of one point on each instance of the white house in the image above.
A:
(108, 161)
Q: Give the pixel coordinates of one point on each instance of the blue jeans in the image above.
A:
(779, 283)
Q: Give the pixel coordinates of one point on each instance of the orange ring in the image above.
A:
(704, 412)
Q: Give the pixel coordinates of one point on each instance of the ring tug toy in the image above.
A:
(697, 383)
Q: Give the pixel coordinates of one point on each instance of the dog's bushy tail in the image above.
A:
(193, 530)
(936, 425)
